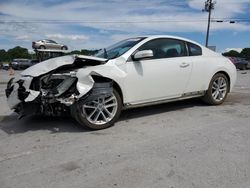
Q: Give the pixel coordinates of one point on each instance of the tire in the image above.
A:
(217, 91)
(42, 47)
(64, 48)
(85, 113)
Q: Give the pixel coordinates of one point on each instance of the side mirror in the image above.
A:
(143, 54)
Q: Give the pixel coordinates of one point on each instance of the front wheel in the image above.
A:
(99, 113)
(217, 91)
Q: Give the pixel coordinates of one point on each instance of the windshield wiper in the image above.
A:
(105, 54)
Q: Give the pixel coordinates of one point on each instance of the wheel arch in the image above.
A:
(116, 86)
(42, 46)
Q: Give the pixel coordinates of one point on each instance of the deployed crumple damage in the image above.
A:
(84, 77)
(13, 100)
(51, 64)
(86, 82)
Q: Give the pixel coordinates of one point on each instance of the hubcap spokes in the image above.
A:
(101, 110)
(219, 89)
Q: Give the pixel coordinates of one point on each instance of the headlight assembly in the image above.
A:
(54, 85)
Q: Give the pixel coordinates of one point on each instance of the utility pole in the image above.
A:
(209, 6)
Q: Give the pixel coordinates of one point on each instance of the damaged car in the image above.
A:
(132, 73)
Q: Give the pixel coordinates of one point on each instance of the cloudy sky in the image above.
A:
(95, 24)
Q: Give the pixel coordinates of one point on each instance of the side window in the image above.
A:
(194, 50)
(165, 48)
(50, 41)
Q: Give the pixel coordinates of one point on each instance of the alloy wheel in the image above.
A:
(219, 89)
(101, 110)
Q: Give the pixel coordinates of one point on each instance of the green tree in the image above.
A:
(75, 52)
(84, 52)
(232, 53)
(3, 56)
(88, 52)
(245, 53)
(18, 52)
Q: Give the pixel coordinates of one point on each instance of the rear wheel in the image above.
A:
(99, 113)
(217, 91)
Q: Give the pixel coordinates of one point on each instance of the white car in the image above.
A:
(134, 72)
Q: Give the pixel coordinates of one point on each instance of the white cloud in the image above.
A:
(223, 8)
(235, 49)
(120, 37)
(177, 18)
(69, 37)
(31, 51)
(23, 37)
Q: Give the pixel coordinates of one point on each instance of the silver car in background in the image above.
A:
(48, 44)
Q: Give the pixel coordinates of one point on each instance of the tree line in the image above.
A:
(245, 53)
(20, 52)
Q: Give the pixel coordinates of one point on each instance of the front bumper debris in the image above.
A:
(18, 91)
(25, 101)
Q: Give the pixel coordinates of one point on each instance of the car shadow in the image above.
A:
(159, 108)
(11, 125)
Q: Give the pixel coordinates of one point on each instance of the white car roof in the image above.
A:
(170, 36)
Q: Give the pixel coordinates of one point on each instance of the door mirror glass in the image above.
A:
(143, 54)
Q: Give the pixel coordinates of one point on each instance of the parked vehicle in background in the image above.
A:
(240, 63)
(48, 44)
(5, 66)
(34, 61)
(20, 64)
(135, 72)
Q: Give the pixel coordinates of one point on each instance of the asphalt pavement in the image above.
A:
(181, 144)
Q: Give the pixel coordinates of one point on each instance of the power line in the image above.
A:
(123, 21)
(230, 19)
(96, 21)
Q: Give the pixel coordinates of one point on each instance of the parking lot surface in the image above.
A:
(180, 144)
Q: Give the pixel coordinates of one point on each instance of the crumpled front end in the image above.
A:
(59, 87)
(49, 94)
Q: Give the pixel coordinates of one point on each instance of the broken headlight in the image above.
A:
(54, 85)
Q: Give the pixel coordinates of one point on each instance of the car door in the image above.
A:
(163, 76)
(51, 44)
(55, 45)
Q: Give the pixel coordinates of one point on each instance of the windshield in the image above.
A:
(119, 48)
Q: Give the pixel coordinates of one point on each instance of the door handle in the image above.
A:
(183, 65)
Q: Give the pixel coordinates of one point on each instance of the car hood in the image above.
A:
(51, 64)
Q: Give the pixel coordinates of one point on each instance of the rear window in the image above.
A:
(194, 50)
